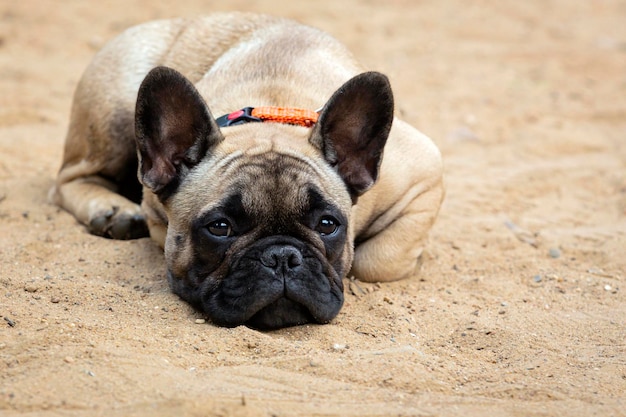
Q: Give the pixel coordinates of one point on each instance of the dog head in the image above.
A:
(259, 229)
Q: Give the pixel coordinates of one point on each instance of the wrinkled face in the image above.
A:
(261, 240)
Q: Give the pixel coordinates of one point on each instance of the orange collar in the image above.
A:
(287, 115)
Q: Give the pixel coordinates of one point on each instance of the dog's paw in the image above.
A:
(117, 224)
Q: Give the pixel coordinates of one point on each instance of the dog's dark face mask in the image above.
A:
(259, 238)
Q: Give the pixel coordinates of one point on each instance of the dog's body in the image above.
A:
(257, 220)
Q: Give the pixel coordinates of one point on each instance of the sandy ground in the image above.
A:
(520, 308)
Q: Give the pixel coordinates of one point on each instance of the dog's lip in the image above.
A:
(317, 311)
(279, 311)
(252, 318)
(293, 317)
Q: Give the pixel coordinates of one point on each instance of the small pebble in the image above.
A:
(69, 359)
(31, 288)
(607, 288)
(537, 278)
(55, 300)
(200, 321)
(339, 346)
(554, 253)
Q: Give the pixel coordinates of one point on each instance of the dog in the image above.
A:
(250, 148)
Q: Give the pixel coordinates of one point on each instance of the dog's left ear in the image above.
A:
(353, 127)
(174, 129)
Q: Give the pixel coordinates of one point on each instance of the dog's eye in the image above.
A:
(220, 228)
(327, 226)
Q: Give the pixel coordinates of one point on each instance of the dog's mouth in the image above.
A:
(264, 307)
(281, 313)
(271, 285)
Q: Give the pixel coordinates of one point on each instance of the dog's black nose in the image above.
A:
(281, 258)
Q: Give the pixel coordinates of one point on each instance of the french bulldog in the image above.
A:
(250, 148)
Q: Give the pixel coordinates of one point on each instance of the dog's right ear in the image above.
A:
(174, 129)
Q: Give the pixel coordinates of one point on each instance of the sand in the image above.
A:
(520, 306)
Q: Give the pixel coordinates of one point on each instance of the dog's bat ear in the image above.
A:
(353, 127)
(174, 129)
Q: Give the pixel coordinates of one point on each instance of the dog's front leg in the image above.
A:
(94, 202)
(395, 252)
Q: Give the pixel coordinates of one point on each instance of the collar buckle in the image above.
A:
(238, 117)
